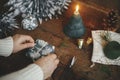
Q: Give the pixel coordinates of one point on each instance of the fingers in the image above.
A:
(54, 57)
(27, 45)
(57, 61)
(26, 41)
(48, 64)
(21, 42)
(27, 38)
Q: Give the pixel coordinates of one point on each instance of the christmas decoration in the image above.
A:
(6, 26)
(117, 29)
(29, 23)
(40, 9)
(89, 41)
(105, 36)
(80, 43)
(75, 27)
(40, 49)
(112, 19)
(99, 55)
(111, 48)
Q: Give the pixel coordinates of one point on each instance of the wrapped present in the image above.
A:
(40, 49)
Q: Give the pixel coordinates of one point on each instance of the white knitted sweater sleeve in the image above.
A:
(6, 46)
(31, 72)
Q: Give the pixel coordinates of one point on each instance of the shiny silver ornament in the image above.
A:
(29, 23)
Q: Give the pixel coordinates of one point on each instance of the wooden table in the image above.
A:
(52, 32)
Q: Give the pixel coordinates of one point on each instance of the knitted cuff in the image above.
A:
(31, 72)
(6, 46)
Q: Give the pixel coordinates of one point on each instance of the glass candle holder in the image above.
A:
(80, 43)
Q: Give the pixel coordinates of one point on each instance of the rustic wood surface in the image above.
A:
(52, 32)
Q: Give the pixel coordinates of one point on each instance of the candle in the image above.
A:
(75, 28)
(76, 12)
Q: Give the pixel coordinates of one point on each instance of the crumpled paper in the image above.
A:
(98, 54)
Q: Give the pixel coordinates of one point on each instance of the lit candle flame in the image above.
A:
(76, 10)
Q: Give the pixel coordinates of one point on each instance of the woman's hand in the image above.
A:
(21, 42)
(48, 64)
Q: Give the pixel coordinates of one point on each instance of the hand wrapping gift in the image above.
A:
(40, 49)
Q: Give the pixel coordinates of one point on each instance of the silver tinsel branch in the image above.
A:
(7, 25)
(40, 9)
